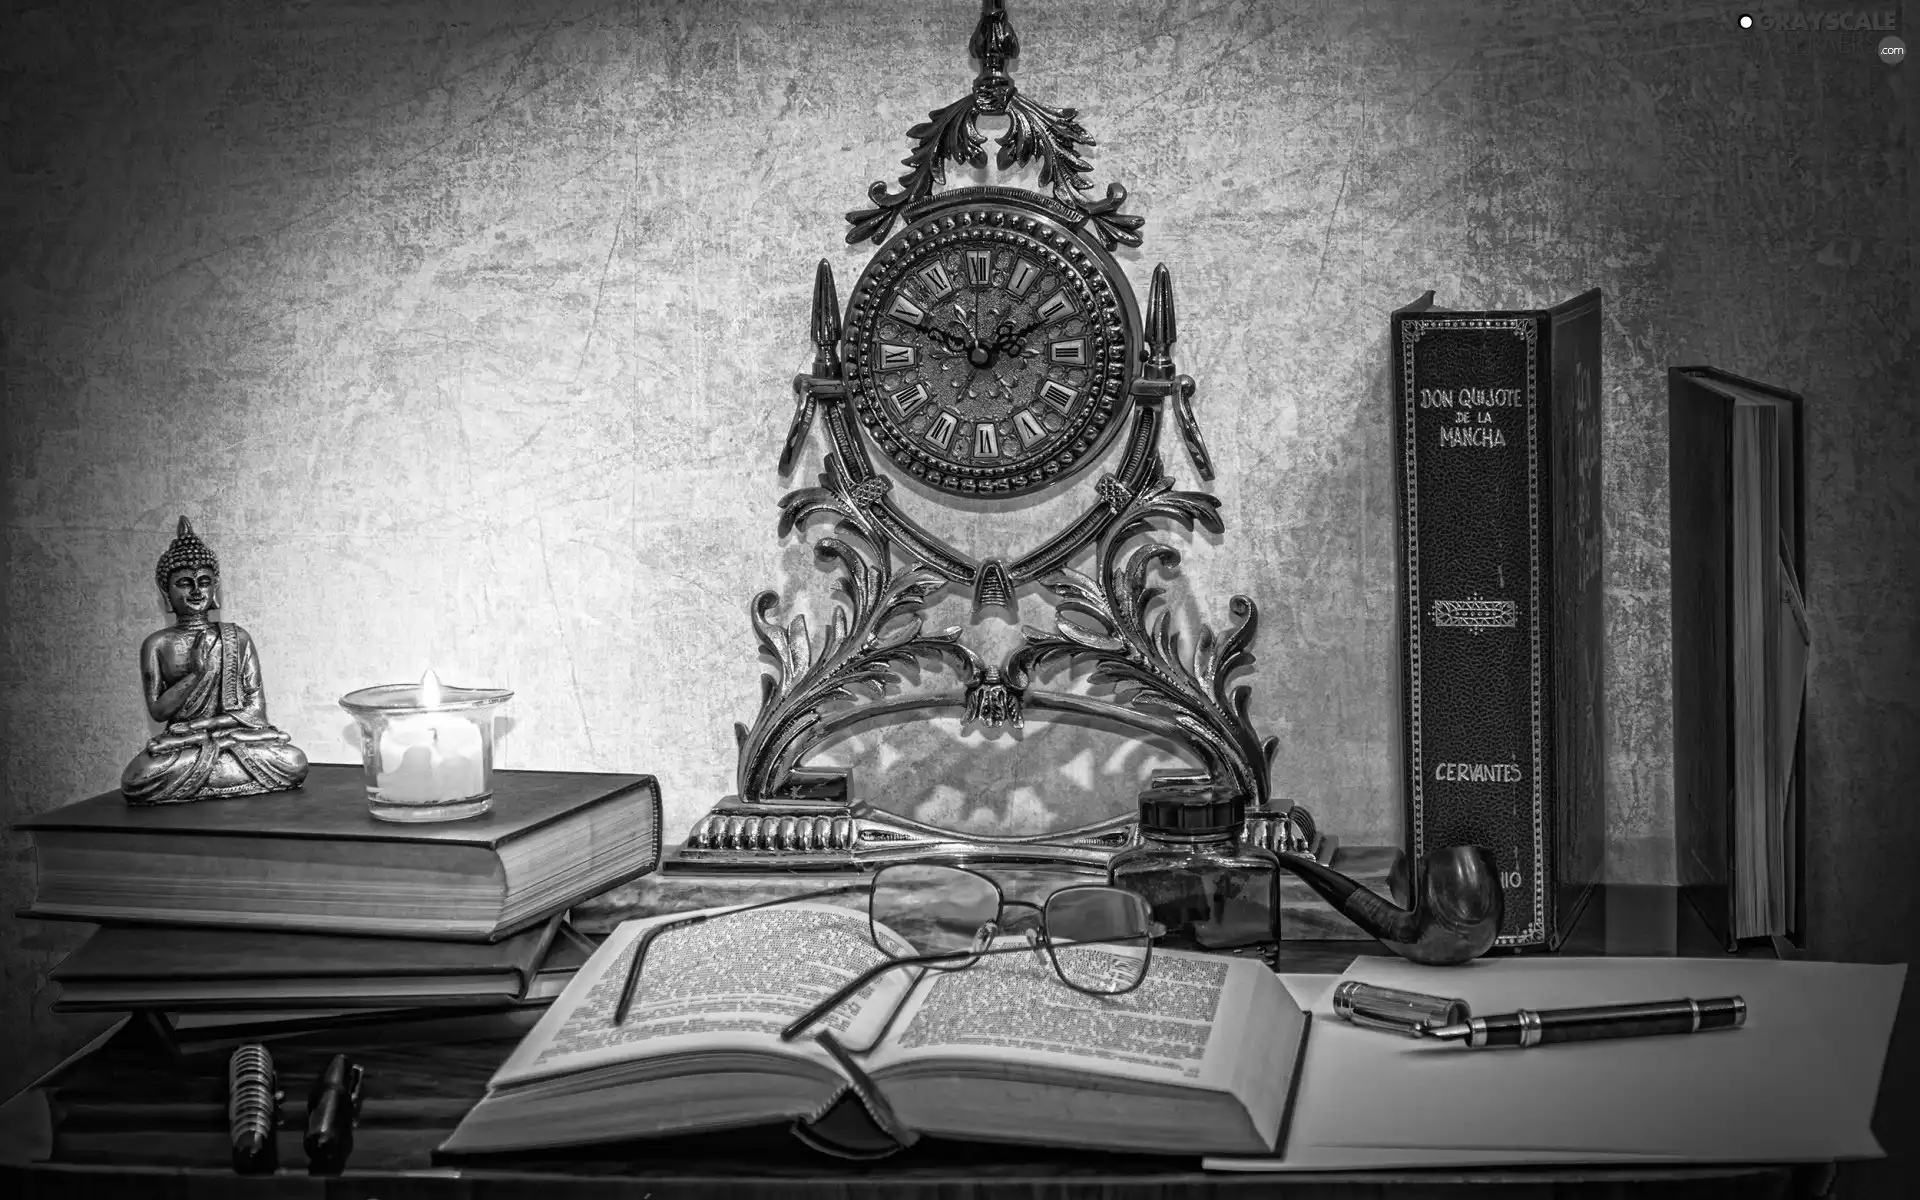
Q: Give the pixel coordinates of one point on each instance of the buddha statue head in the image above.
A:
(188, 574)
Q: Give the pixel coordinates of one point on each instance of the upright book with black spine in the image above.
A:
(1497, 438)
(1736, 457)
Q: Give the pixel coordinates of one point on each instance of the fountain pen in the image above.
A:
(1524, 1027)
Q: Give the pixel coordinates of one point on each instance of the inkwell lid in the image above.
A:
(1191, 810)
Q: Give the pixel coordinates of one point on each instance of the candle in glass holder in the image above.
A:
(428, 750)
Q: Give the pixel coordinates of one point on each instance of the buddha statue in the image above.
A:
(201, 679)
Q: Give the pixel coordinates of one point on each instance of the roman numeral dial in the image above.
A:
(904, 310)
(986, 440)
(1054, 307)
(989, 348)
(935, 280)
(1032, 432)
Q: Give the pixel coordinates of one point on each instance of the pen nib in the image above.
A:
(1444, 1033)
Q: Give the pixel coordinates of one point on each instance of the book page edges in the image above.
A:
(1253, 1044)
(330, 807)
(1064, 1113)
(679, 1104)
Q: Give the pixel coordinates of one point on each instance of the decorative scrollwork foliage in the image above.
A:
(952, 135)
(876, 631)
(840, 496)
(1114, 227)
(1056, 135)
(1120, 622)
(948, 135)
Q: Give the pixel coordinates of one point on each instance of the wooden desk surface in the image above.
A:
(136, 1118)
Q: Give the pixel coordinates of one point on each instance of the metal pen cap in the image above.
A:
(1394, 1010)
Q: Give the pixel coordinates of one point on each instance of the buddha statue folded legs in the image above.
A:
(201, 680)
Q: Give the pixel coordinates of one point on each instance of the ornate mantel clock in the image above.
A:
(991, 349)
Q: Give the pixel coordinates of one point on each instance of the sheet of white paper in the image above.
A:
(1797, 1084)
(1311, 992)
(1314, 993)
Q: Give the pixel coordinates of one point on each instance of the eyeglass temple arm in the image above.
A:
(853, 985)
(652, 934)
(872, 973)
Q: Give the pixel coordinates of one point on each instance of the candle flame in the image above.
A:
(430, 690)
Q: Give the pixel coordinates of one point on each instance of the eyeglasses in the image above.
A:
(948, 917)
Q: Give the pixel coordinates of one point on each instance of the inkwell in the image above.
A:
(1211, 887)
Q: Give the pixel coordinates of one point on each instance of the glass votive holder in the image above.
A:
(427, 749)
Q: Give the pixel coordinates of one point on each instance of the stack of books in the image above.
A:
(288, 911)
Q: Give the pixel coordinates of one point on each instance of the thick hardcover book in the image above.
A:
(315, 860)
(1498, 446)
(129, 968)
(1736, 453)
(1201, 1058)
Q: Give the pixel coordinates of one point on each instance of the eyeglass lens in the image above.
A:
(938, 910)
(1118, 920)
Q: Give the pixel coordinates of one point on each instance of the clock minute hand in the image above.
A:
(1008, 338)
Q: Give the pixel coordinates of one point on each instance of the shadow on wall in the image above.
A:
(1054, 774)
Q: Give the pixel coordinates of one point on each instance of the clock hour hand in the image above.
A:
(952, 341)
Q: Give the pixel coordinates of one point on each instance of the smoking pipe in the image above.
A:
(1457, 904)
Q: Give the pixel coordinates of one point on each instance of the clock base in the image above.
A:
(829, 833)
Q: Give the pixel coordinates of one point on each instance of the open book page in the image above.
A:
(730, 984)
(1196, 1020)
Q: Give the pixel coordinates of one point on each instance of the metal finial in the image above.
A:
(952, 135)
(825, 379)
(1160, 327)
(995, 44)
(826, 320)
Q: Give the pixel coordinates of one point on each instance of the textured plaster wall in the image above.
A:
(463, 332)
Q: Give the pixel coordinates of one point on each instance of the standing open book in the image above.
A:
(1199, 1058)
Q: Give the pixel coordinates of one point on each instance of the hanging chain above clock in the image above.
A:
(1034, 130)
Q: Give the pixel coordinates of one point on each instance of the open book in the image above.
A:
(1198, 1059)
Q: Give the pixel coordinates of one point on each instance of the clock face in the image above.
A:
(990, 347)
